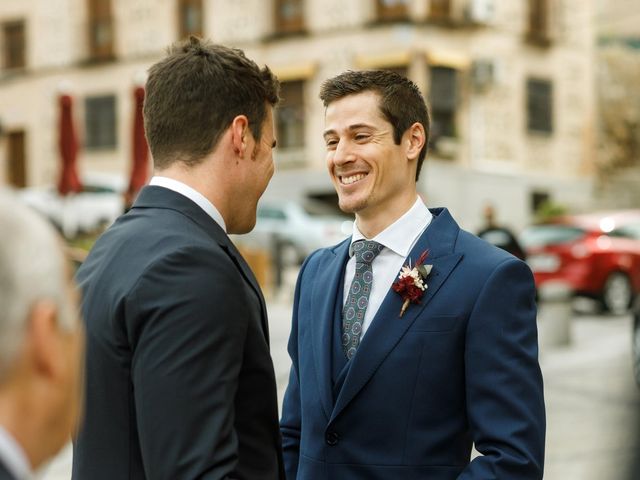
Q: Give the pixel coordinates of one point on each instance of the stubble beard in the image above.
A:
(353, 205)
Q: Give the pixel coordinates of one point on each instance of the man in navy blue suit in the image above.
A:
(397, 372)
(180, 383)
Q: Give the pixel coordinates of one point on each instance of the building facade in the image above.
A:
(510, 84)
(618, 104)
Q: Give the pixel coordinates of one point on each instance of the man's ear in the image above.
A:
(44, 339)
(240, 135)
(415, 138)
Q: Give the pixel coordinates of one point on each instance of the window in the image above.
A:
(289, 16)
(101, 34)
(290, 115)
(538, 200)
(443, 99)
(439, 10)
(14, 45)
(17, 159)
(539, 106)
(191, 18)
(100, 122)
(539, 31)
(392, 10)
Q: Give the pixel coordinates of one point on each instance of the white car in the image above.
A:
(97, 206)
(293, 228)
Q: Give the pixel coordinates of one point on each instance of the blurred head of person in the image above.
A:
(41, 335)
(489, 214)
(376, 135)
(208, 114)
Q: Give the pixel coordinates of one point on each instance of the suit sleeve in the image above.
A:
(290, 424)
(187, 320)
(505, 403)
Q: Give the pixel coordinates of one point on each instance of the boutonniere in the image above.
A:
(411, 282)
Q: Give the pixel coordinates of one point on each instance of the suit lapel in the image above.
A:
(328, 280)
(160, 197)
(248, 275)
(387, 328)
(5, 474)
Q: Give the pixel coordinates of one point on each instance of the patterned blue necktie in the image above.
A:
(358, 299)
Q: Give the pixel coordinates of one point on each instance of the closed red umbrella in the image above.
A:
(140, 150)
(69, 181)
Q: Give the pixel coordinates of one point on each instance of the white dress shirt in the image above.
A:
(398, 240)
(193, 195)
(13, 457)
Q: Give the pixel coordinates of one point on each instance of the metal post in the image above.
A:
(554, 313)
(277, 248)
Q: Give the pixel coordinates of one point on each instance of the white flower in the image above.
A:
(418, 281)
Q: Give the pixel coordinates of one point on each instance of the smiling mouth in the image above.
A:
(352, 178)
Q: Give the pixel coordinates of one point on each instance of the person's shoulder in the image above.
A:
(141, 249)
(322, 253)
(317, 258)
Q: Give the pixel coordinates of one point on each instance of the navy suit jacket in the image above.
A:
(459, 368)
(179, 378)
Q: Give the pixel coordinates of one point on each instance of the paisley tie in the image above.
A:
(358, 298)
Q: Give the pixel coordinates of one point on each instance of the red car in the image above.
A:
(597, 254)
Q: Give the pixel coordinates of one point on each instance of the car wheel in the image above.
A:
(636, 348)
(617, 294)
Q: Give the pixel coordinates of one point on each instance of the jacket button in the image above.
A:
(332, 438)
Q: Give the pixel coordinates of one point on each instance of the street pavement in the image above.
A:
(593, 406)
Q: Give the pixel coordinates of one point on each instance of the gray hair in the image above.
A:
(32, 268)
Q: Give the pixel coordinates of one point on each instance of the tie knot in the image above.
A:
(366, 250)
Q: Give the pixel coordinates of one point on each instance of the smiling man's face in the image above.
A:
(368, 170)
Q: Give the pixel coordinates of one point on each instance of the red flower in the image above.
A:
(405, 287)
(411, 282)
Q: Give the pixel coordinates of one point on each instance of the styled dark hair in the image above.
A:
(401, 102)
(193, 95)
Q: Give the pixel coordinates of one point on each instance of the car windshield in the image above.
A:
(627, 231)
(272, 213)
(97, 189)
(542, 235)
(310, 209)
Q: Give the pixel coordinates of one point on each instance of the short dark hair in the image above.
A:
(401, 102)
(193, 95)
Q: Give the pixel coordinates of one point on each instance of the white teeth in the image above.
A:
(352, 179)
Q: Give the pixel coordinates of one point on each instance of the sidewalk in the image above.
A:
(593, 405)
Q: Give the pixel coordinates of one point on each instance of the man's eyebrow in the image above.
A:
(358, 126)
(328, 132)
(355, 126)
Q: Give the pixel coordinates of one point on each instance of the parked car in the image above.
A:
(597, 254)
(97, 206)
(298, 230)
(635, 345)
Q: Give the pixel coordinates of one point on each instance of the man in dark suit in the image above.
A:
(397, 371)
(41, 342)
(500, 235)
(180, 382)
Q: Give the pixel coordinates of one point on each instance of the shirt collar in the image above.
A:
(401, 234)
(13, 456)
(192, 194)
